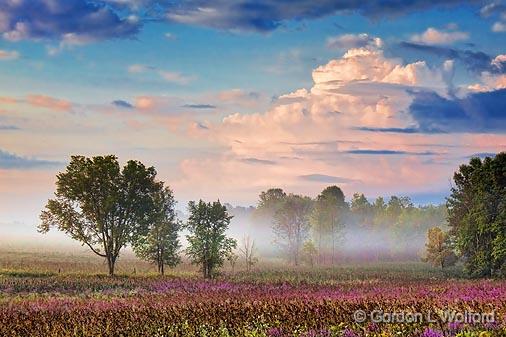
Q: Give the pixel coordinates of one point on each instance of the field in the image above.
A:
(37, 300)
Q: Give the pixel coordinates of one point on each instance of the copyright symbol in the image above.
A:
(359, 316)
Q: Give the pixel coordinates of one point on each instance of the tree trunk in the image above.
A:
(110, 263)
(162, 268)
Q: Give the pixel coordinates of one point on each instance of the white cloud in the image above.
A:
(499, 27)
(176, 77)
(7, 55)
(434, 36)
(349, 41)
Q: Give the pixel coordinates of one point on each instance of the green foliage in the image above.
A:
(291, 225)
(207, 243)
(159, 243)
(328, 219)
(101, 205)
(269, 203)
(477, 215)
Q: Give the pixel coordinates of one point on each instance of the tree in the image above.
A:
(328, 217)
(309, 252)
(361, 210)
(269, 203)
(207, 243)
(101, 205)
(477, 215)
(248, 251)
(291, 224)
(439, 251)
(159, 243)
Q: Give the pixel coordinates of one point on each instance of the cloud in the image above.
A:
(268, 15)
(199, 106)
(389, 130)
(433, 36)
(11, 161)
(390, 152)
(349, 41)
(139, 68)
(8, 127)
(170, 36)
(499, 27)
(55, 19)
(477, 112)
(122, 104)
(496, 9)
(7, 55)
(323, 178)
(176, 77)
(42, 101)
(475, 61)
(258, 161)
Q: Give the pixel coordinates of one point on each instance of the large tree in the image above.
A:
(291, 224)
(101, 204)
(208, 244)
(159, 242)
(477, 215)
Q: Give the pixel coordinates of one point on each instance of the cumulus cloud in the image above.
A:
(435, 36)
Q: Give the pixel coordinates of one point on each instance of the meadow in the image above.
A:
(55, 294)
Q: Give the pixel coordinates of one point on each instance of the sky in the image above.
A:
(229, 98)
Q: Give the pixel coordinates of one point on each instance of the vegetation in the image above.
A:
(106, 208)
(101, 205)
(477, 215)
(439, 251)
(159, 243)
(208, 245)
(273, 306)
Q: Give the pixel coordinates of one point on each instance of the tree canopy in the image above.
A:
(100, 204)
(208, 244)
(477, 215)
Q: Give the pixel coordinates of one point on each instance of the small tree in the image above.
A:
(439, 252)
(309, 252)
(248, 251)
(160, 243)
(232, 260)
(207, 243)
(101, 204)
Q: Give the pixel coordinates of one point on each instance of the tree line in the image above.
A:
(316, 230)
(106, 207)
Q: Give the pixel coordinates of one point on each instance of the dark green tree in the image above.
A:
(477, 215)
(101, 204)
(159, 242)
(208, 244)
